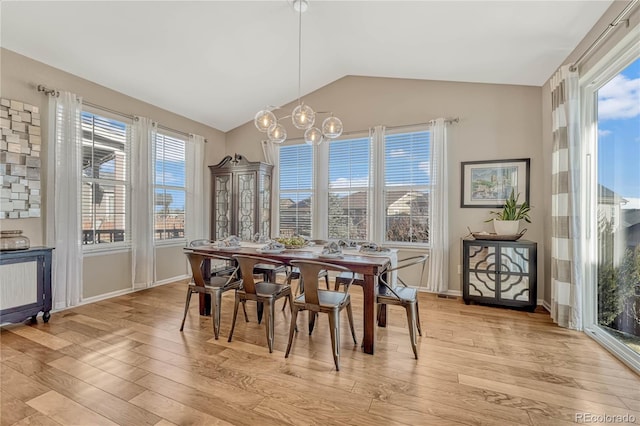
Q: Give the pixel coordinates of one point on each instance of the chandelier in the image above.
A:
(302, 116)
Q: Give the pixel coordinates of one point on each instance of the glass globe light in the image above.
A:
(332, 127)
(277, 133)
(303, 117)
(313, 136)
(264, 119)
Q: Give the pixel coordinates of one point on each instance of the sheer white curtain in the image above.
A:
(64, 178)
(144, 134)
(566, 239)
(439, 210)
(272, 156)
(195, 219)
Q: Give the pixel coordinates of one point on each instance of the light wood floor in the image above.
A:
(123, 361)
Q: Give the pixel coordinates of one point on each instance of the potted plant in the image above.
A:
(507, 221)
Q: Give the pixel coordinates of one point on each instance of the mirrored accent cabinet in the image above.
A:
(500, 273)
(241, 198)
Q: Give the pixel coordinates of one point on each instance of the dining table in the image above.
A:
(370, 265)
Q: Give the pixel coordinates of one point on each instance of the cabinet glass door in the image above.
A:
(246, 205)
(222, 207)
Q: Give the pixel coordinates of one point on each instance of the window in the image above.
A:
(169, 188)
(105, 181)
(366, 192)
(407, 167)
(296, 174)
(349, 189)
(611, 199)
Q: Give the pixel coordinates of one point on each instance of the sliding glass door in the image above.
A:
(612, 105)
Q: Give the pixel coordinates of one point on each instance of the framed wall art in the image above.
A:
(489, 183)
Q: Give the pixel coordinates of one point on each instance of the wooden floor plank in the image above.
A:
(174, 411)
(66, 411)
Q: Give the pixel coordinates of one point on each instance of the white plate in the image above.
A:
(268, 251)
(329, 255)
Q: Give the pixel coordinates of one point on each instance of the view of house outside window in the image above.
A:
(404, 209)
(169, 188)
(105, 181)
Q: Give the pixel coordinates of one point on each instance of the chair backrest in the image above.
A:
(200, 243)
(246, 264)
(309, 269)
(403, 264)
(195, 261)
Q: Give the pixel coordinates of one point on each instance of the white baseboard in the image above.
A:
(170, 280)
(545, 305)
(453, 293)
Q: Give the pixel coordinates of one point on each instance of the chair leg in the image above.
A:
(244, 308)
(334, 328)
(235, 314)
(411, 320)
(259, 311)
(350, 316)
(288, 282)
(215, 313)
(418, 317)
(269, 323)
(292, 329)
(326, 280)
(186, 308)
(312, 321)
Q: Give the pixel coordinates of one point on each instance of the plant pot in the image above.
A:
(506, 227)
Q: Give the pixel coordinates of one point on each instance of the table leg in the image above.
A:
(369, 291)
(205, 299)
(382, 313)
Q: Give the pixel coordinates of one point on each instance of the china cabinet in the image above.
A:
(241, 198)
(500, 273)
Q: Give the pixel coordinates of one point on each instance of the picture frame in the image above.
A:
(488, 184)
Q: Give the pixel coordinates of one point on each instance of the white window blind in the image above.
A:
(349, 162)
(407, 168)
(169, 188)
(296, 189)
(105, 181)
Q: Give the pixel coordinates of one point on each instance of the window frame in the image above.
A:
(278, 194)
(376, 203)
(119, 246)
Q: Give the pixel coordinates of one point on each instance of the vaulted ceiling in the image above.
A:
(218, 62)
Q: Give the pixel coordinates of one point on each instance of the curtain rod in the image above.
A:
(602, 36)
(446, 120)
(56, 93)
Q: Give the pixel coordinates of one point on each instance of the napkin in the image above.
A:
(332, 248)
(347, 243)
(273, 245)
(230, 241)
(372, 247)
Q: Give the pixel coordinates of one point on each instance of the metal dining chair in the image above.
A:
(264, 293)
(403, 295)
(214, 286)
(225, 268)
(315, 301)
